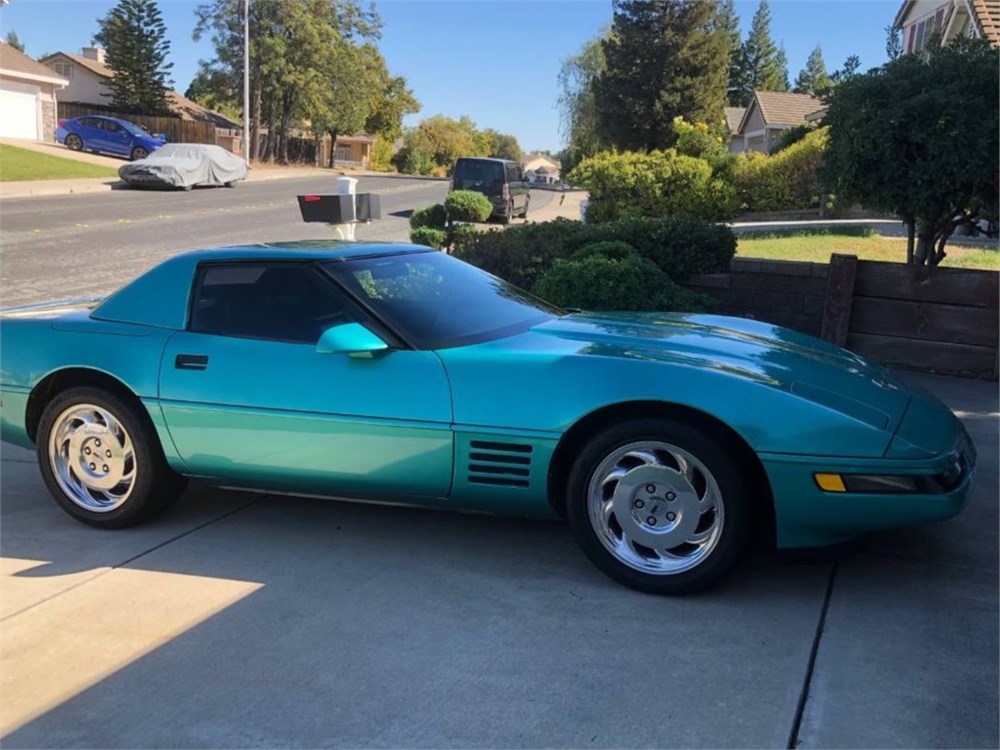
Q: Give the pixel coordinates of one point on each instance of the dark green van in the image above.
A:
(500, 180)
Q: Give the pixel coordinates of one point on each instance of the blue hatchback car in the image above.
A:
(108, 135)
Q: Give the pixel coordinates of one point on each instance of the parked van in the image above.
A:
(500, 180)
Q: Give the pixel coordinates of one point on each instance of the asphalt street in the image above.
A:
(56, 247)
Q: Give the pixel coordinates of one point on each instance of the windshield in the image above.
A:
(478, 171)
(436, 301)
(135, 129)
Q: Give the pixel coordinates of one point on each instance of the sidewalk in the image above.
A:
(562, 206)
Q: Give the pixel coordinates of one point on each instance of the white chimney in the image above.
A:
(94, 53)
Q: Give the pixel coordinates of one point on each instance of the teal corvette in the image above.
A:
(398, 373)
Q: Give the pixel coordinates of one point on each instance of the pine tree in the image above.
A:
(664, 59)
(813, 78)
(135, 39)
(14, 41)
(762, 66)
(729, 23)
(893, 41)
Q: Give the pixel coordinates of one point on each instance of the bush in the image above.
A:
(434, 217)
(787, 180)
(467, 205)
(596, 282)
(382, 155)
(679, 247)
(613, 249)
(791, 135)
(429, 236)
(462, 230)
(657, 184)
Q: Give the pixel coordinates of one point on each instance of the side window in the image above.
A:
(89, 122)
(274, 301)
(111, 127)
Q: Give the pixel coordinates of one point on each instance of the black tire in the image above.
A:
(74, 142)
(714, 454)
(508, 216)
(156, 486)
(231, 184)
(524, 214)
(139, 153)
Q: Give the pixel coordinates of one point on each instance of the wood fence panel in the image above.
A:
(958, 286)
(958, 324)
(936, 356)
(176, 129)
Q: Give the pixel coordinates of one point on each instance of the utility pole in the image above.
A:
(246, 80)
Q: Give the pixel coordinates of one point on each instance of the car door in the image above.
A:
(249, 401)
(91, 133)
(116, 138)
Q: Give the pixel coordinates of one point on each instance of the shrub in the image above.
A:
(698, 140)
(462, 230)
(657, 184)
(791, 135)
(596, 282)
(381, 155)
(614, 249)
(467, 205)
(433, 216)
(679, 247)
(429, 236)
(787, 180)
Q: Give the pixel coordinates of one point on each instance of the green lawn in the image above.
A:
(17, 164)
(818, 247)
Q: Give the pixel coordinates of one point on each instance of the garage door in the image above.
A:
(18, 110)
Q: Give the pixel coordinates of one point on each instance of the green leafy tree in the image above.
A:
(135, 39)
(664, 59)
(728, 22)
(813, 78)
(13, 40)
(762, 65)
(217, 91)
(390, 101)
(503, 145)
(436, 142)
(917, 137)
(577, 109)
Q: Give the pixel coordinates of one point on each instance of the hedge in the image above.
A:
(655, 184)
(433, 216)
(679, 247)
(430, 236)
(786, 180)
(467, 205)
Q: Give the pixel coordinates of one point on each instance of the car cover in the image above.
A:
(185, 165)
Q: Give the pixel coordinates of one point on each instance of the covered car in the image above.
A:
(185, 165)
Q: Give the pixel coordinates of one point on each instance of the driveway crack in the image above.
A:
(793, 733)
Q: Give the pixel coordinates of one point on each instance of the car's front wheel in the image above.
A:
(74, 142)
(659, 505)
(101, 461)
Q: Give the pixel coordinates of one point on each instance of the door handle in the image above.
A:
(191, 362)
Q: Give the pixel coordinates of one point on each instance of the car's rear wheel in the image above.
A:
(524, 214)
(508, 217)
(101, 460)
(139, 153)
(74, 142)
(659, 505)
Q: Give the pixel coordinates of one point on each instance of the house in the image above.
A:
(769, 113)
(354, 150)
(920, 19)
(540, 169)
(27, 96)
(88, 75)
(734, 115)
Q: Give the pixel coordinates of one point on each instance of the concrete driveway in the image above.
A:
(243, 620)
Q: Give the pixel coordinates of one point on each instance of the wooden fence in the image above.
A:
(939, 319)
(176, 129)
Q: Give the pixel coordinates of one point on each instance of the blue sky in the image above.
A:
(496, 61)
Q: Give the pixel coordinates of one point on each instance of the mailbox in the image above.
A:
(369, 206)
(327, 209)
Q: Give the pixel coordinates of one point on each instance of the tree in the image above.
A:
(503, 145)
(893, 41)
(762, 66)
(214, 89)
(437, 142)
(813, 78)
(135, 39)
(729, 24)
(577, 110)
(13, 40)
(664, 59)
(917, 137)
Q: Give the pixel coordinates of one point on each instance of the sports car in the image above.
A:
(399, 373)
(185, 166)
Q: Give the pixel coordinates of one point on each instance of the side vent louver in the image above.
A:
(504, 464)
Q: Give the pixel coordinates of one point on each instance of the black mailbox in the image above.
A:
(327, 209)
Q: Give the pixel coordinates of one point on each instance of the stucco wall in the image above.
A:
(84, 85)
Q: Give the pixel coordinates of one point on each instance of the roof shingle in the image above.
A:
(779, 108)
(987, 16)
(734, 115)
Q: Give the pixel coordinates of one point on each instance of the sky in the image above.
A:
(496, 61)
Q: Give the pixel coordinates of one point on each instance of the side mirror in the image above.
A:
(350, 338)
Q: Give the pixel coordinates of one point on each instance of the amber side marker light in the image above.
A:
(830, 482)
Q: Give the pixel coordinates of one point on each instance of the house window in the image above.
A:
(65, 70)
(922, 31)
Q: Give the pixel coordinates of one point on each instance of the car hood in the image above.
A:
(772, 355)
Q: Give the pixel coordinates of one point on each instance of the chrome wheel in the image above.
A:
(92, 458)
(655, 507)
